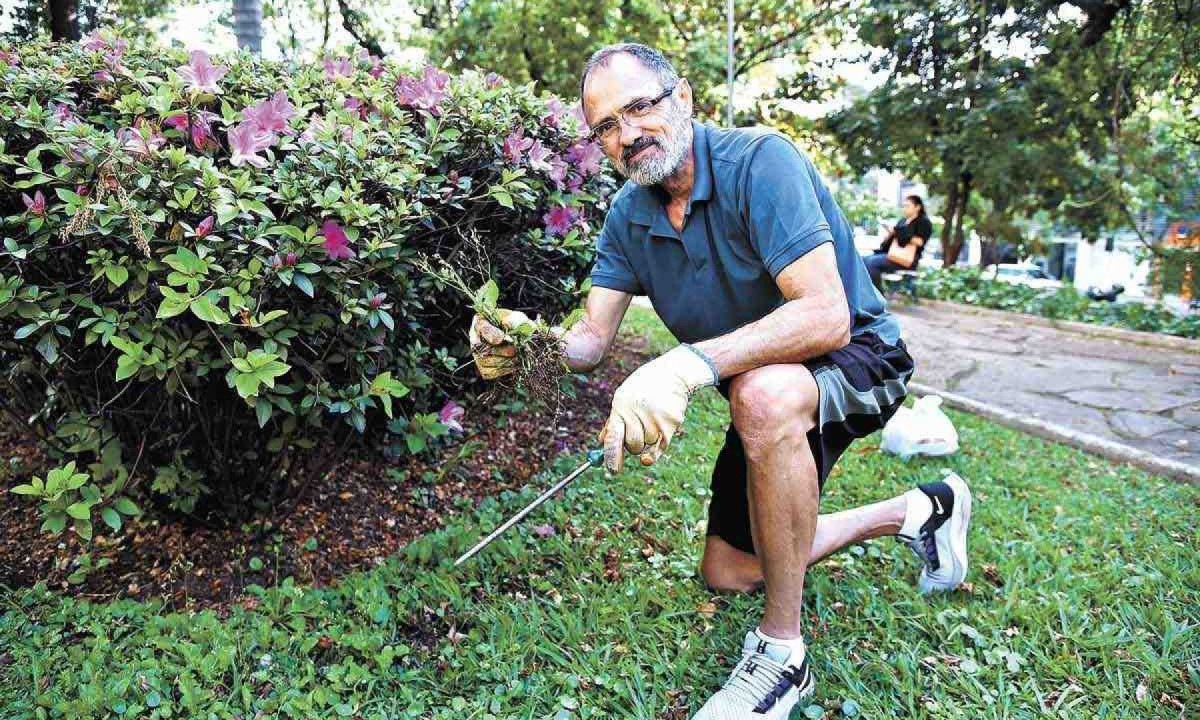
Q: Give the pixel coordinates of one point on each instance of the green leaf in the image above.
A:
(55, 522)
(203, 308)
(116, 274)
(256, 564)
(225, 213)
(172, 306)
(262, 409)
(127, 367)
(25, 490)
(301, 281)
(111, 518)
(83, 528)
(487, 296)
(26, 330)
(125, 506)
(79, 510)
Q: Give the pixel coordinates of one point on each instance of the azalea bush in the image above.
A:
(973, 287)
(211, 279)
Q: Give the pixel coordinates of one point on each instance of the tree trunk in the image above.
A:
(247, 24)
(358, 25)
(64, 20)
(949, 252)
(963, 200)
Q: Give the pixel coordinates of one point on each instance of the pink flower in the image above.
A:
(539, 156)
(515, 145)
(337, 68)
(200, 128)
(426, 93)
(376, 63)
(63, 114)
(377, 300)
(200, 74)
(142, 139)
(451, 415)
(94, 43)
(493, 81)
(555, 112)
(544, 531)
(574, 182)
(246, 140)
(36, 204)
(577, 113)
(271, 115)
(560, 219)
(356, 106)
(205, 227)
(558, 172)
(7, 58)
(337, 244)
(103, 76)
(585, 156)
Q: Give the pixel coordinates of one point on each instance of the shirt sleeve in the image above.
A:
(612, 269)
(780, 203)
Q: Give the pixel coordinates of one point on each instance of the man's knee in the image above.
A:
(773, 404)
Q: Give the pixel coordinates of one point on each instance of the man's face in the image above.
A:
(648, 149)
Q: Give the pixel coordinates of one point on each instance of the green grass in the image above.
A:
(1100, 592)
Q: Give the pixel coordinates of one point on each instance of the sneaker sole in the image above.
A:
(960, 522)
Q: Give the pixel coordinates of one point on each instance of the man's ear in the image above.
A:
(685, 93)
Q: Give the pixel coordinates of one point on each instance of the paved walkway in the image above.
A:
(1143, 396)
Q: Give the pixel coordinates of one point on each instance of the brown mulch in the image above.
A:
(363, 511)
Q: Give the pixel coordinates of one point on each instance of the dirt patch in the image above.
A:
(351, 519)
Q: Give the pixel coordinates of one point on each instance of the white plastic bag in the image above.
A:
(923, 430)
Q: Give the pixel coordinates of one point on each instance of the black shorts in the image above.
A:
(861, 386)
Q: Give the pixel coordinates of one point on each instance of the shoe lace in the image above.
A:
(925, 546)
(752, 686)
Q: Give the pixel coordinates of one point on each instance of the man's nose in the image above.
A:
(629, 133)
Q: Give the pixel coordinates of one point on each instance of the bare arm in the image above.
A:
(814, 321)
(588, 341)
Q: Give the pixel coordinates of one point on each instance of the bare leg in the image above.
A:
(724, 567)
(773, 408)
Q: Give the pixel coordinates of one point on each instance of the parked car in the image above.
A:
(1026, 274)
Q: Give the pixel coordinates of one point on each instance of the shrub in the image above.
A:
(970, 286)
(210, 277)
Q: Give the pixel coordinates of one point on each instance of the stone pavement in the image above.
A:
(1143, 396)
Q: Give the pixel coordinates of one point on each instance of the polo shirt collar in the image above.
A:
(648, 202)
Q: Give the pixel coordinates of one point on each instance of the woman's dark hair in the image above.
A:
(916, 200)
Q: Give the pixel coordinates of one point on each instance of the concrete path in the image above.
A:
(1145, 396)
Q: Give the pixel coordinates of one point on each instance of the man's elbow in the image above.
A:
(839, 326)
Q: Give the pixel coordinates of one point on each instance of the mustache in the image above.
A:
(638, 145)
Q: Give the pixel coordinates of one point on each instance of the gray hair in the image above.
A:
(646, 55)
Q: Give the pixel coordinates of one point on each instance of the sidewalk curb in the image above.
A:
(1138, 337)
(1057, 433)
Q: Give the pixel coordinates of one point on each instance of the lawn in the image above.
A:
(1083, 601)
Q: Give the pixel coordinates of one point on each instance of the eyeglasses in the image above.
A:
(607, 129)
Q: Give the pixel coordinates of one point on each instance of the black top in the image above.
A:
(904, 231)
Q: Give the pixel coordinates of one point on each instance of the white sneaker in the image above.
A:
(765, 684)
(935, 528)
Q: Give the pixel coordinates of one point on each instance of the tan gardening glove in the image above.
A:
(648, 407)
(492, 347)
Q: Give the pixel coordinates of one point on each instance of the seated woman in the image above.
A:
(914, 229)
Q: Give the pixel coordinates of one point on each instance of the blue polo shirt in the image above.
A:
(757, 205)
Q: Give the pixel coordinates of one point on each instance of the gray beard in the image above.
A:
(654, 170)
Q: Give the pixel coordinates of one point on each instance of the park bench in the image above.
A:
(902, 280)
